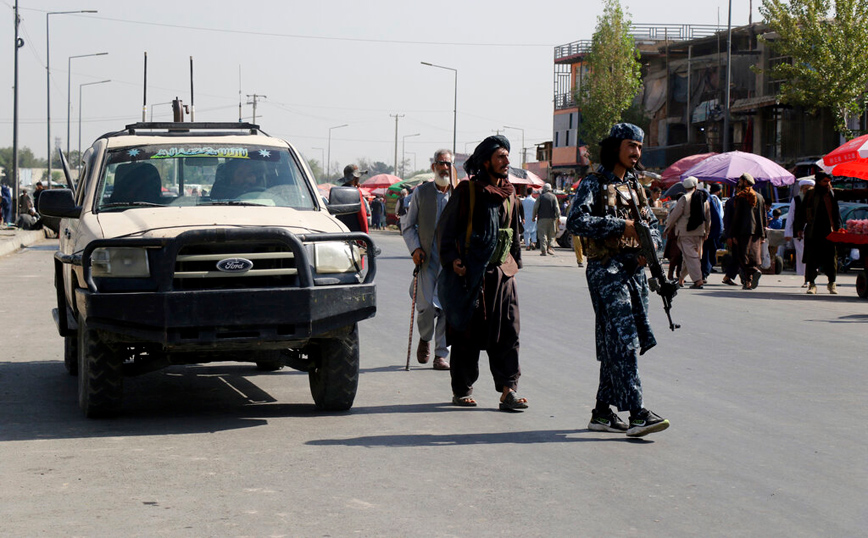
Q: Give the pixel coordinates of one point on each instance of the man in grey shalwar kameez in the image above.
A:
(616, 281)
(419, 226)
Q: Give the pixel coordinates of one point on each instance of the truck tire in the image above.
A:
(565, 240)
(862, 284)
(779, 265)
(70, 354)
(334, 372)
(100, 375)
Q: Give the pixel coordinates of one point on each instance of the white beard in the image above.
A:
(442, 181)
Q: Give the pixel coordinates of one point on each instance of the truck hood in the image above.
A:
(171, 221)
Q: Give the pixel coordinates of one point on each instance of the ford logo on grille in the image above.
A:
(235, 265)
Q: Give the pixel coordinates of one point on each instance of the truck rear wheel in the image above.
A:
(862, 284)
(100, 375)
(334, 372)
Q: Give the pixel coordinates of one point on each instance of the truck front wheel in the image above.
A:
(334, 371)
(100, 375)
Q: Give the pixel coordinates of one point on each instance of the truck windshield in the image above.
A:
(194, 174)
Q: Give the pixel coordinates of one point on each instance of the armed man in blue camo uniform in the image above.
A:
(616, 280)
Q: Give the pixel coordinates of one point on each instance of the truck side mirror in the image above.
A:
(58, 203)
(344, 201)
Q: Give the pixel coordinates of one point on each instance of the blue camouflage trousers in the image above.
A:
(619, 295)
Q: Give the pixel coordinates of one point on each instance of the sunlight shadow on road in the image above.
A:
(458, 439)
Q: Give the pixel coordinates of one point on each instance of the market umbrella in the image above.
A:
(410, 183)
(324, 188)
(378, 181)
(672, 175)
(856, 168)
(728, 167)
(520, 176)
(849, 151)
(675, 191)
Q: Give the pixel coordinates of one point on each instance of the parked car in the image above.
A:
(257, 270)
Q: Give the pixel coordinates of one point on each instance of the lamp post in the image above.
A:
(329, 164)
(455, 103)
(80, 86)
(69, 91)
(48, 77)
(522, 141)
(403, 145)
(322, 156)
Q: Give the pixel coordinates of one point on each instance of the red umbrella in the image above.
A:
(520, 176)
(672, 175)
(379, 181)
(855, 168)
(849, 151)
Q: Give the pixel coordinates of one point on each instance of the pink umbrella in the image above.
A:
(849, 151)
(379, 181)
(728, 167)
(672, 175)
(520, 176)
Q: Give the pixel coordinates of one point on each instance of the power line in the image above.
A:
(324, 38)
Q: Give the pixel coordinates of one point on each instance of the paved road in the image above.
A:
(765, 390)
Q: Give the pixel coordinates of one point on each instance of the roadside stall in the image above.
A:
(855, 236)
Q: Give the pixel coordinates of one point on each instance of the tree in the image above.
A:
(317, 169)
(26, 159)
(828, 67)
(614, 75)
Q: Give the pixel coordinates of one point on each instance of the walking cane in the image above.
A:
(412, 314)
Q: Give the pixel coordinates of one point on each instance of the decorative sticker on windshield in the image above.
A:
(154, 153)
(172, 153)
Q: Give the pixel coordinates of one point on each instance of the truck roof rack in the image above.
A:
(192, 126)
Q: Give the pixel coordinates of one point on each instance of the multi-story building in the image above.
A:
(683, 97)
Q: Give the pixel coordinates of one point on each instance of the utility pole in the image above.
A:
(728, 75)
(15, 184)
(253, 100)
(396, 116)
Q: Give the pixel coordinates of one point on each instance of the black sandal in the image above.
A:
(512, 403)
(463, 401)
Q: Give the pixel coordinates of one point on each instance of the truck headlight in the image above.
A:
(120, 262)
(336, 257)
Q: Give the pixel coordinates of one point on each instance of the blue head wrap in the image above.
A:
(627, 131)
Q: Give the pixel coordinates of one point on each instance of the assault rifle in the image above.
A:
(667, 289)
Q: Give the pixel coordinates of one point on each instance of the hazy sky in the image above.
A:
(320, 64)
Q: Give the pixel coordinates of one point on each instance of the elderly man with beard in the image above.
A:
(481, 253)
(817, 217)
(790, 232)
(616, 280)
(418, 226)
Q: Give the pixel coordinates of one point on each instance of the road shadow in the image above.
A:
(778, 296)
(40, 401)
(493, 438)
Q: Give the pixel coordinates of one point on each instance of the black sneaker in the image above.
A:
(646, 422)
(608, 421)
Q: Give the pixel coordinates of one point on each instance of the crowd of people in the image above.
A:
(466, 241)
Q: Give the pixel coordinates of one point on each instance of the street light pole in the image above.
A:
(69, 92)
(522, 142)
(403, 145)
(48, 77)
(80, 86)
(454, 106)
(329, 164)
